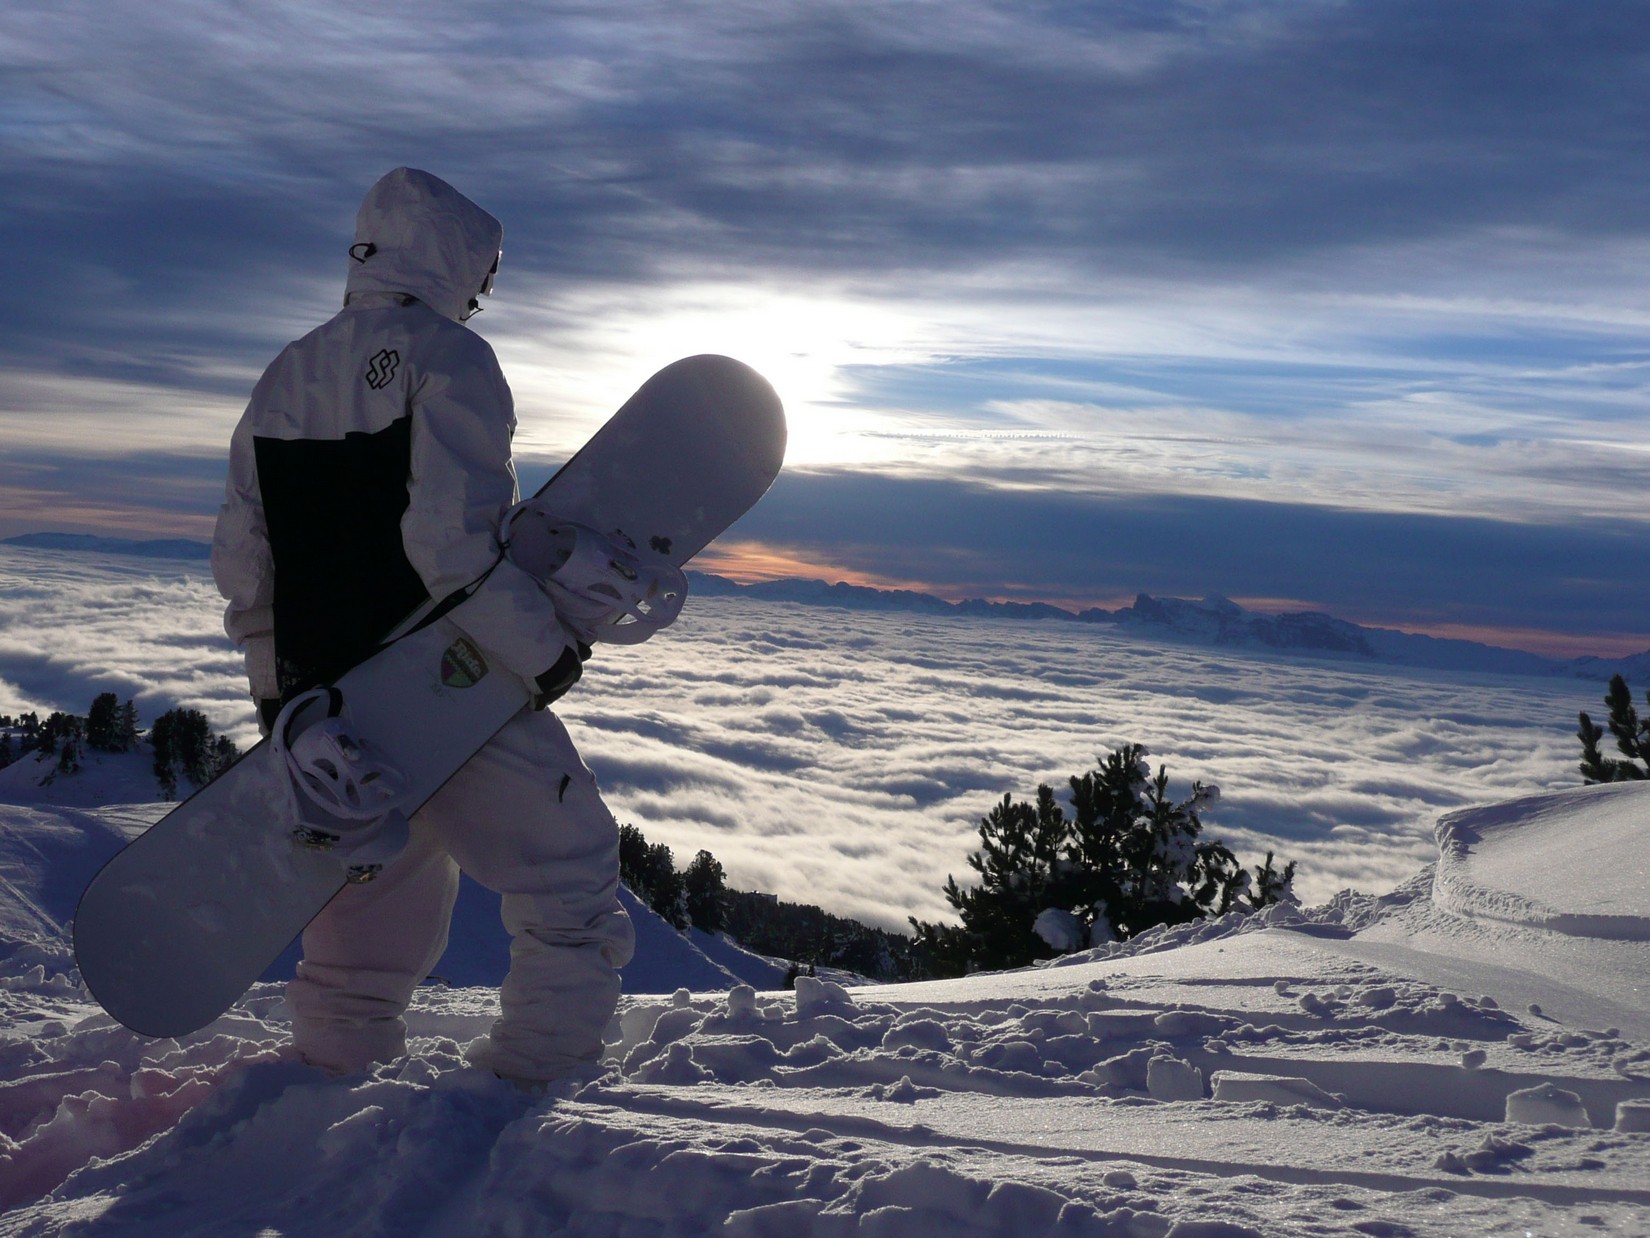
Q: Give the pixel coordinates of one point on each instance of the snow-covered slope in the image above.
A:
(1574, 863)
(104, 778)
(1463, 1055)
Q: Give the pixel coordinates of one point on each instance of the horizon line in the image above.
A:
(747, 565)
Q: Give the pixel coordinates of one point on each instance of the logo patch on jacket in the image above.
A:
(381, 369)
(462, 664)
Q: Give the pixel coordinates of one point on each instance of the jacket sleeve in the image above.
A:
(242, 564)
(462, 481)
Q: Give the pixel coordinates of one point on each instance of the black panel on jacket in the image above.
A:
(342, 580)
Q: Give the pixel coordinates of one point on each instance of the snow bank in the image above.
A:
(1572, 862)
(1290, 1074)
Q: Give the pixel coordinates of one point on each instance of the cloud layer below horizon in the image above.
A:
(844, 758)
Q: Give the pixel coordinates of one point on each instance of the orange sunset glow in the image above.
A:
(750, 562)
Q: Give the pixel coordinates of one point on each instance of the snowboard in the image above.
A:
(178, 925)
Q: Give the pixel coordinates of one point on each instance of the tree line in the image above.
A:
(183, 742)
(1125, 857)
(807, 936)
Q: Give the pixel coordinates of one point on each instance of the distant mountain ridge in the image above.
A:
(86, 543)
(1208, 621)
(1211, 620)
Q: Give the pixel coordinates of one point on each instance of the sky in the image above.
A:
(1316, 305)
(844, 758)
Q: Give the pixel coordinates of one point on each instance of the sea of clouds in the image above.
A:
(845, 758)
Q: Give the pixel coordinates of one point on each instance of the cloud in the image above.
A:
(844, 758)
(682, 141)
(74, 626)
(1173, 262)
(1394, 569)
(49, 488)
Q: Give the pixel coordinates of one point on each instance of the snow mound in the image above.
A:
(1547, 1104)
(1572, 862)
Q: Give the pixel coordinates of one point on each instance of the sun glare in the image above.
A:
(805, 345)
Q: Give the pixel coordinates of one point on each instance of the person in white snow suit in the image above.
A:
(367, 476)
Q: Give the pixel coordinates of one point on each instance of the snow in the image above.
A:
(1468, 1053)
(1547, 1104)
(1551, 877)
(1060, 929)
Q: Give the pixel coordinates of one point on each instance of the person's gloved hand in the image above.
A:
(554, 683)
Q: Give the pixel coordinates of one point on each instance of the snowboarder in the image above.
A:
(367, 476)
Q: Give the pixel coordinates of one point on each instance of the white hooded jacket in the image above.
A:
(369, 471)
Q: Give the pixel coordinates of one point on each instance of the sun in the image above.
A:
(807, 345)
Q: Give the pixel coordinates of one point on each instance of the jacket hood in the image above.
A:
(416, 234)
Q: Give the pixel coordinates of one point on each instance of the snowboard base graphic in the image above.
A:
(177, 926)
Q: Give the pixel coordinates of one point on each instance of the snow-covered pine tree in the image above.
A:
(1271, 886)
(1130, 857)
(1135, 858)
(1019, 853)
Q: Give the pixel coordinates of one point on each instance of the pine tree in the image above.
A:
(126, 730)
(1271, 886)
(69, 752)
(103, 722)
(1019, 855)
(185, 747)
(649, 869)
(667, 893)
(705, 888)
(58, 728)
(65, 735)
(632, 858)
(1632, 739)
(166, 765)
(1135, 859)
(224, 754)
(1128, 858)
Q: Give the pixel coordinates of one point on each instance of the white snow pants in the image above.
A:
(523, 817)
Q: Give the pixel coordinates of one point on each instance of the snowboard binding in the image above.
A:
(604, 587)
(346, 794)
